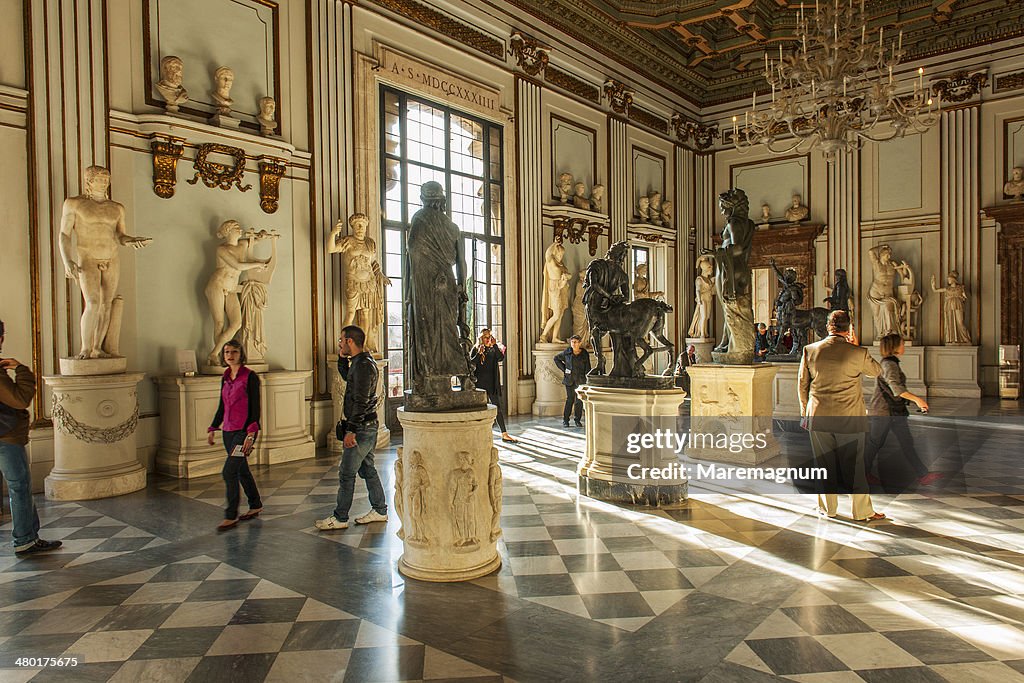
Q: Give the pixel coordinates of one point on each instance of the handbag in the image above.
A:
(340, 429)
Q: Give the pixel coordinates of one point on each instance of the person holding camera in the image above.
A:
(238, 418)
(357, 432)
(486, 358)
(574, 363)
(15, 397)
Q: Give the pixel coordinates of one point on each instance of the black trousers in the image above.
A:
(235, 472)
(572, 403)
(495, 397)
(895, 473)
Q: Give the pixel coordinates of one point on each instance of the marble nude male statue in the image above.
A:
(98, 224)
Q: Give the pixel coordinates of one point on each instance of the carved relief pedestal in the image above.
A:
(952, 371)
(338, 402)
(448, 495)
(94, 452)
(732, 399)
(702, 346)
(550, 399)
(604, 471)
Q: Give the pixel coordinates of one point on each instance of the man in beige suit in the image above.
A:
(832, 408)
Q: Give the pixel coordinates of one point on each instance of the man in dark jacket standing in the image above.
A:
(15, 397)
(358, 432)
(574, 363)
(486, 359)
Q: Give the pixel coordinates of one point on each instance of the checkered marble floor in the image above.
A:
(203, 620)
(731, 586)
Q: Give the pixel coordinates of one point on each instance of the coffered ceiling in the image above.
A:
(709, 51)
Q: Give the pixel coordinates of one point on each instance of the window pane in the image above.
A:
(394, 292)
(395, 339)
(392, 265)
(393, 242)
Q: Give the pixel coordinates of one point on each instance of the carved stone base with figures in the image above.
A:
(550, 395)
(94, 441)
(733, 400)
(448, 495)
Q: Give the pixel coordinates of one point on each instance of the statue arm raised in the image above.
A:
(937, 289)
(67, 225)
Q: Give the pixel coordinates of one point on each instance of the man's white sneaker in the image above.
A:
(370, 517)
(330, 523)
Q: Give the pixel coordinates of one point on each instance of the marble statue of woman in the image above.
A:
(170, 84)
(98, 226)
(223, 79)
(556, 292)
(704, 288)
(364, 279)
(955, 332)
(580, 327)
(222, 288)
(885, 307)
(268, 107)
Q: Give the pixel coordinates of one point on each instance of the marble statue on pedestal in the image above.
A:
(885, 307)
(953, 329)
(438, 335)
(642, 285)
(170, 84)
(629, 324)
(98, 225)
(1014, 187)
(555, 298)
(732, 280)
(564, 187)
(580, 199)
(223, 79)
(222, 289)
(364, 279)
(255, 298)
(797, 211)
(580, 327)
(597, 198)
(704, 290)
(268, 108)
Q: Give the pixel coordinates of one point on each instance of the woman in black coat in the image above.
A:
(486, 358)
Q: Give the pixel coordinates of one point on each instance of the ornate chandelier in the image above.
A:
(834, 90)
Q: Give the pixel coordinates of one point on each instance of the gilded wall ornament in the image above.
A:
(960, 86)
(214, 174)
(1007, 82)
(620, 99)
(531, 56)
(575, 229)
(166, 153)
(570, 83)
(702, 136)
(271, 172)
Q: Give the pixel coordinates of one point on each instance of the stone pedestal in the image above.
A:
(612, 414)
(550, 398)
(728, 400)
(188, 404)
(448, 495)
(338, 403)
(94, 451)
(78, 367)
(952, 371)
(912, 362)
(703, 347)
(786, 400)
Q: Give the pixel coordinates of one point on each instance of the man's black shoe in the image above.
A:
(578, 423)
(40, 546)
(565, 423)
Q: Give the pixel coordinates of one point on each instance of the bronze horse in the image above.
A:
(804, 319)
(629, 324)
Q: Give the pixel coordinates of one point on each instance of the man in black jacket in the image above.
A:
(358, 432)
(574, 363)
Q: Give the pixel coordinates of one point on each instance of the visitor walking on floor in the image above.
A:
(486, 358)
(574, 363)
(238, 418)
(15, 397)
(357, 432)
(832, 408)
(888, 411)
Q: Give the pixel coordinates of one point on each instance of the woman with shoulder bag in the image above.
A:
(888, 412)
(238, 416)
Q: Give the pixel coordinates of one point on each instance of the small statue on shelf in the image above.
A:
(268, 107)
(797, 211)
(223, 79)
(597, 199)
(1014, 187)
(766, 213)
(666, 214)
(644, 208)
(655, 208)
(580, 199)
(170, 84)
(564, 187)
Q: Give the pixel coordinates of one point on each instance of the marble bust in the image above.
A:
(597, 199)
(98, 225)
(564, 187)
(655, 208)
(268, 108)
(1014, 187)
(580, 199)
(797, 211)
(223, 79)
(666, 214)
(169, 86)
(766, 213)
(644, 208)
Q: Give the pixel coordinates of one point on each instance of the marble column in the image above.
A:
(94, 444)
(685, 257)
(961, 209)
(706, 201)
(844, 221)
(620, 193)
(532, 240)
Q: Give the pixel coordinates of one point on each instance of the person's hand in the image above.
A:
(853, 339)
(72, 271)
(350, 440)
(135, 242)
(922, 404)
(209, 438)
(250, 441)
(9, 363)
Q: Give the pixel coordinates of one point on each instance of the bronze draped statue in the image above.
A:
(438, 335)
(605, 298)
(732, 280)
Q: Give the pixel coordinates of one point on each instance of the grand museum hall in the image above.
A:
(631, 282)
